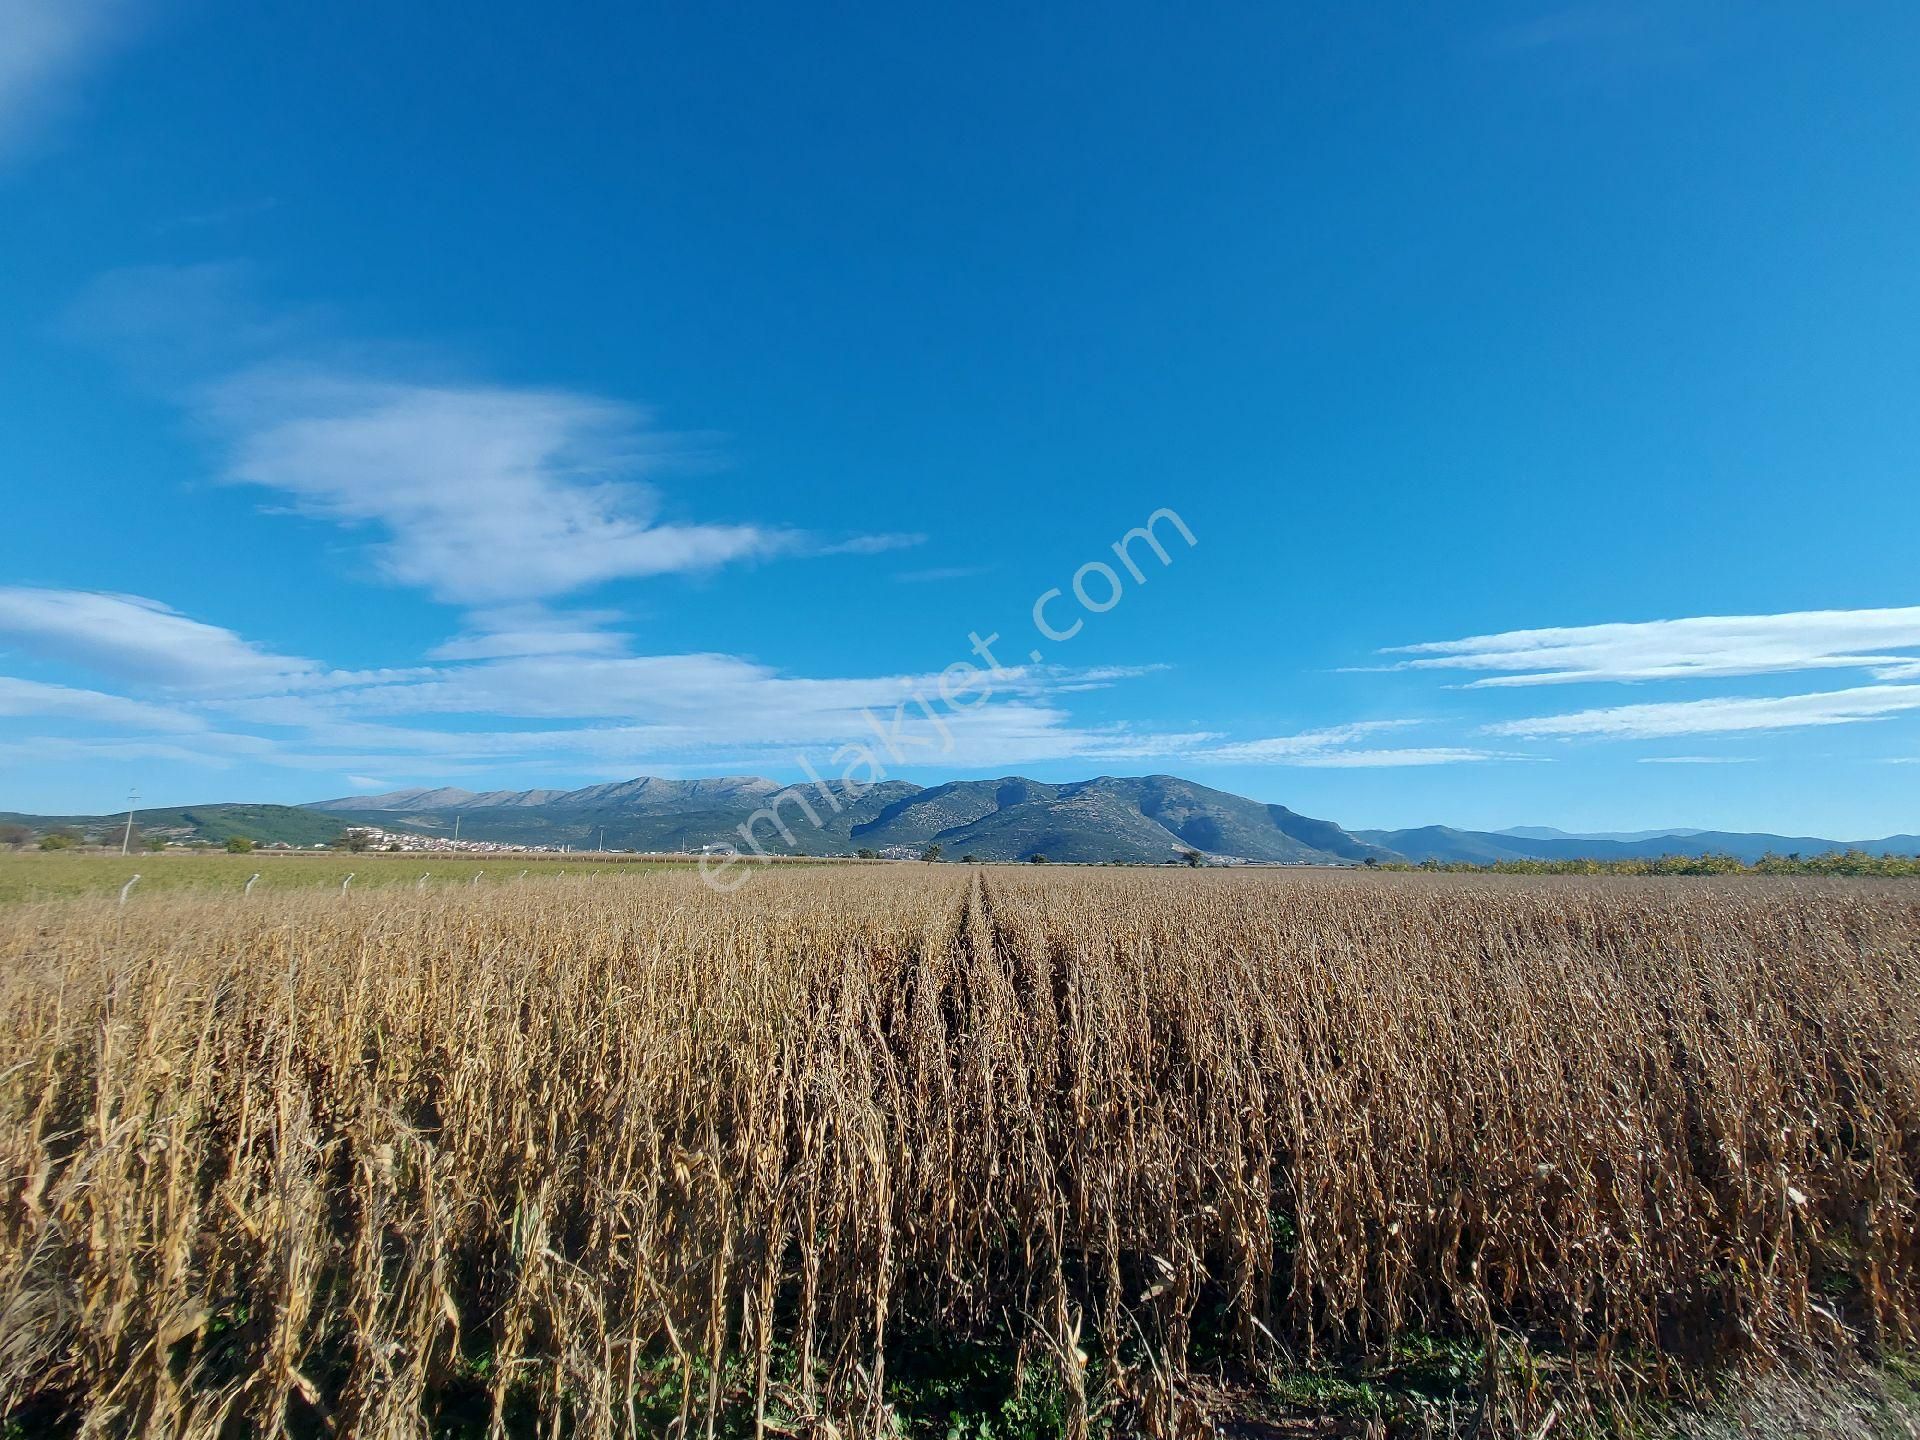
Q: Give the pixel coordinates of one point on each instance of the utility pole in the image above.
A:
(603, 837)
(456, 828)
(126, 840)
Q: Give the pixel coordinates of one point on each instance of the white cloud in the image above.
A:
(1697, 759)
(1723, 716)
(1335, 748)
(204, 746)
(867, 544)
(725, 698)
(482, 494)
(65, 749)
(1004, 733)
(1287, 749)
(1699, 647)
(1371, 759)
(139, 640)
(533, 630)
(44, 45)
(32, 699)
(1067, 680)
(688, 705)
(556, 678)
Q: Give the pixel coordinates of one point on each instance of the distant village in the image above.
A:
(375, 838)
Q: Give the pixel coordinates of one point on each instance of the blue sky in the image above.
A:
(403, 395)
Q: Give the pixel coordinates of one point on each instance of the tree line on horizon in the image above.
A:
(1831, 862)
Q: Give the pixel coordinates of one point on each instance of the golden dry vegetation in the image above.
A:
(841, 1153)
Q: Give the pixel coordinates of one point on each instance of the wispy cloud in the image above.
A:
(1735, 715)
(481, 494)
(130, 638)
(68, 749)
(178, 327)
(1338, 747)
(528, 687)
(1597, 39)
(224, 215)
(1700, 647)
(1698, 759)
(1288, 748)
(533, 630)
(33, 699)
(684, 704)
(1387, 759)
(44, 46)
(940, 572)
(1573, 26)
(867, 544)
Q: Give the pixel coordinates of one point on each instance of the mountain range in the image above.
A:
(1149, 819)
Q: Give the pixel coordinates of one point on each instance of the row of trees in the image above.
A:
(932, 853)
(1833, 862)
(19, 837)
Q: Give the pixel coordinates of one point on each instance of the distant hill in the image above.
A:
(649, 814)
(1547, 832)
(297, 825)
(1450, 846)
(1152, 818)
(647, 795)
(1148, 819)
(1478, 847)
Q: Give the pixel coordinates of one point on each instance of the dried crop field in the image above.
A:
(925, 1149)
